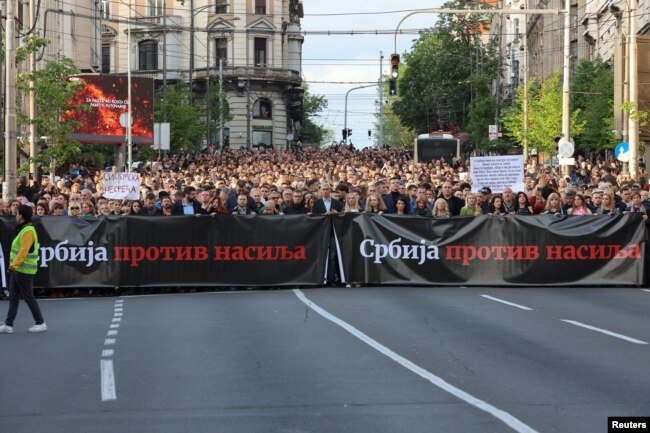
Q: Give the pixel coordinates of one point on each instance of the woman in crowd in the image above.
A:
(497, 207)
(522, 206)
(104, 210)
(441, 209)
(135, 207)
(13, 207)
(553, 205)
(217, 206)
(608, 205)
(88, 209)
(74, 209)
(375, 205)
(579, 206)
(471, 207)
(309, 203)
(636, 205)
(42, 209)
(421, 206)
(400, 206)
(352, 203)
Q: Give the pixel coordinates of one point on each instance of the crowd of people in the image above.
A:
(334, 180)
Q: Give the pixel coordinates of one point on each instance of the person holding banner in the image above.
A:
(23, 266)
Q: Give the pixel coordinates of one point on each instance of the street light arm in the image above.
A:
(474, 11)
(345, 117)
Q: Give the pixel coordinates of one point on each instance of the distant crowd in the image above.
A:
(333, 180)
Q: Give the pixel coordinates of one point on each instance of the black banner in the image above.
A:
(492, 250)
(179, 251)
(293, 250)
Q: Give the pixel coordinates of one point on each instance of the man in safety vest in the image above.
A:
(23, 264)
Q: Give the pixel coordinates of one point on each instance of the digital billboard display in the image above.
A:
(106, 120)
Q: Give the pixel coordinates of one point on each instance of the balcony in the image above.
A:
(254, 73)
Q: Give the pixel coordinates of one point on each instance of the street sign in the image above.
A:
(622, 151)
(566, 161)
(566, 149)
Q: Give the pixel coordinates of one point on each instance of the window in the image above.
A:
(154, 8)
(105, 9)
(148, 55)
(222, 49)
(260, 52)
(262, 109)
(260, 7)
(262, 139)
(221, 7)
(106, 59)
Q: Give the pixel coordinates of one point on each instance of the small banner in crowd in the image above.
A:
(497, 172)
(121, 185)
(492, 250)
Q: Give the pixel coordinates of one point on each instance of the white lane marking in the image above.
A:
(107, 353)
(117, 319)
(503, 416)
(109, 342)
(118, 314)
(108, 380)
(604, 331)
(119, 310)
(507, 303)
(646, 290)
(114, 325)
(119, 301)
(111, 333)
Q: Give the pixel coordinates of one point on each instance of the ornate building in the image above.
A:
(257, 43)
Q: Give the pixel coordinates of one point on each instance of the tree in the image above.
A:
(481, 112)
(593, 93)
(435, 90)
(313, 105)
(544, 115)
(395, 133)
(53, 93)
(185, 124)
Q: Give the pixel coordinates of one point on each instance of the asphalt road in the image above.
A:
(355, 360)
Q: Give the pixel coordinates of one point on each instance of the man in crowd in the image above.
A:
(394, 194)
(188, 205)
(149, 208)
(508, 199)
(242, 207)
(287, 199)
(327, 204)
(233, 199)
(454, 203)
(567, 199)
(297, 206)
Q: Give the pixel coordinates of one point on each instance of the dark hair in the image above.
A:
(520, 193)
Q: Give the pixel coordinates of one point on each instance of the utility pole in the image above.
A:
(164, 97)
(634, 80)
(380, 140)
(525, 42)
(32, 100)
(9, 185)
(249, 108)
(191, 43)
(129, 138)
(221, 102)
(566, 83)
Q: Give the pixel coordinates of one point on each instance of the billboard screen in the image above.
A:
(106, 120)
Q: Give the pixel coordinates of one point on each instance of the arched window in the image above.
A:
(262, 109)
(148, 55)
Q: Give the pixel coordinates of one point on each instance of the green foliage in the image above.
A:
(53, 93)
(215, 116)
(395, 133)
(30, 44)
(544, 115)
(313, 105)
(435, 89)
(592, 92)
(481, 113)
(185, 123)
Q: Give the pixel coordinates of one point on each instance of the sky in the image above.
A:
(354, 59)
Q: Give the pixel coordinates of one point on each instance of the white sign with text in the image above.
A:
(121, 186)
(497, 172)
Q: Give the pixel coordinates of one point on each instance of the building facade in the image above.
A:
(256, 44)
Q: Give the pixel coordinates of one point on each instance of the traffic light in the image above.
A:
(345, 134)
(349, 132)
(392, 87)
(369, 133)
(394, 66)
